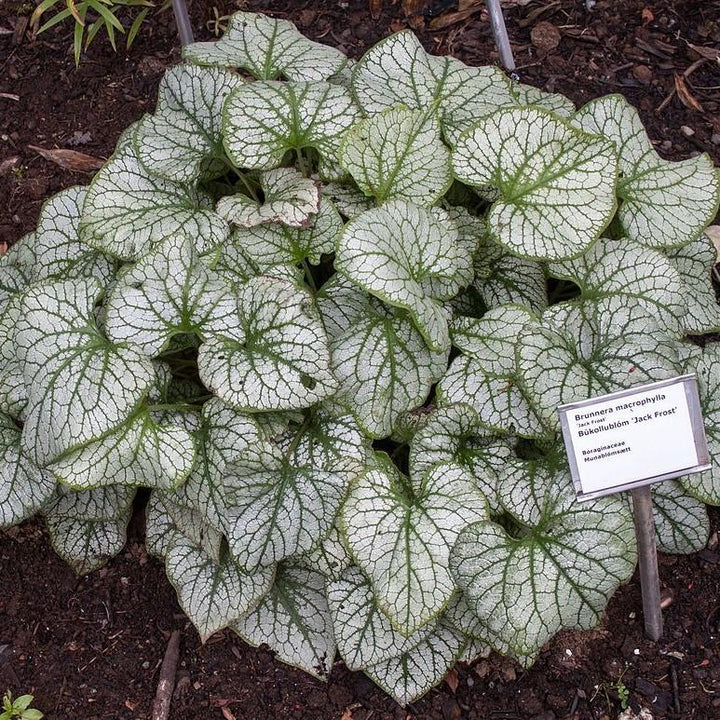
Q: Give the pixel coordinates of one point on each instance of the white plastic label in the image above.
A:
(634, 437)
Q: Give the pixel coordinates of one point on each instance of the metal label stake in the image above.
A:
(627, 440)
(647, 559)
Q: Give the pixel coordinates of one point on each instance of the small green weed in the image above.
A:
(19, 709)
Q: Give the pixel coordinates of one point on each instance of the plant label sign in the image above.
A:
(634, 437)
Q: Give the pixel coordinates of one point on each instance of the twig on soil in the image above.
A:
(166, 684)
(675, 688)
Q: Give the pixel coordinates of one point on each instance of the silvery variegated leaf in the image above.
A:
(178, 512)
(626, 269)
(13, 393)
(57, 252)
(274, 508)
(328, 556)
(491, 339)
(184, 135)
(160, 528)
(705, 486)
(400, 531)
(664, 204)
(453, 434)
(276, 244)
(127, 210)
(268, 49)
(166, 293)
(694, 263)
(363, 633)
(380, 359)
(557, 184)
(213, 593)
(327, 440)
(278, 359)
(554, 372)
(289, 199)
(80, 385)
(293, 619)
(141, 452)
(681, 521)
(348, 198)
(235, 263)
(88, 528)
(410, 258)
(500, 402)
(409, 676)
(554, 102)
(398, 153)
(262, 121)
(502, 278)
(398, 71)
(24, 488)
(224, 435)
(556, 566)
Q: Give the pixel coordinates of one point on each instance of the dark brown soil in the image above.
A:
(91, 648)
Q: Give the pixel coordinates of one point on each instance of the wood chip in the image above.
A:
(545, 37)
(7, 164)
(70, 159)
(685, 95)
(415, 12)
(376, 8)
(706, 52)
(10, 96)
(452, 681)
(227, 714)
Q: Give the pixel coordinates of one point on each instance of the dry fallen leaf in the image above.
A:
(452, 680)
(7, 164)
(685, 95)
(414, 11)
(227, 714)
(647, 15)
(70, 159)
(376, 7)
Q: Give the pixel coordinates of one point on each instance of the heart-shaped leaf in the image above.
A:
(398, 71)
(694, 263)
(167, 293)
(664, 204)
(555, 568)
(408, 676)
(273, 244)
(289, 199)
(88, 528)
(681, 522)
(557, 184)
(398, 154)
(454, 434)
(379, 358)
(278, 359)
(184, 135)
(363, 633)
(408, 257)
(80, 385)
(400, 531)
(267, 48)
(24, 488)
(294, 621)
(625, 269)
(705, 486)
(213, 593)
(127, 210)
(263, 121)
(275, 508)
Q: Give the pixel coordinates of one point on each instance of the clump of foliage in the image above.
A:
(90, 17)
(19, 708)
(325, 311)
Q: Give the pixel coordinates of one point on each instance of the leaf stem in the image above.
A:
(309, 276)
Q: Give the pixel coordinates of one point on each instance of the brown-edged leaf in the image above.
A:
(70, 159)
